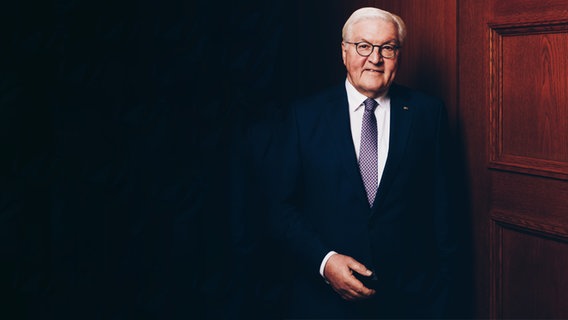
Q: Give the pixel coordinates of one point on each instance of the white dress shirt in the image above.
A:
(382, 114)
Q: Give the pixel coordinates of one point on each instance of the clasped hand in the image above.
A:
(339, 271)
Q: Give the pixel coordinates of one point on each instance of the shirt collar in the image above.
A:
(355, 98)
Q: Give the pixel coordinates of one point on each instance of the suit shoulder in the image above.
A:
(416, 97)
(319, 100)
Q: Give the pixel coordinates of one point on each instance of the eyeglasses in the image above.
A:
(365, 49)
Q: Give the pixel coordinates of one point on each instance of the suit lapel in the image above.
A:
(400, 124)
(401, 120)
(338, 117)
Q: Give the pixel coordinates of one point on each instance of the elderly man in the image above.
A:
(360, 192)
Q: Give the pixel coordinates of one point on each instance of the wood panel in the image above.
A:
(537, 200)
(528, 103)
(473, 116)
(542, 10)
(513, 110)
(531, 267)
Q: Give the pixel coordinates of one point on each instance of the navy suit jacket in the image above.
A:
(318, 204)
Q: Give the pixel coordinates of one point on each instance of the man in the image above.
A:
(360, 194)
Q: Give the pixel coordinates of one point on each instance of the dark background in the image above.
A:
(117, 121)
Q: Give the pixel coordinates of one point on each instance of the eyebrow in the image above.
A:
(392, 41)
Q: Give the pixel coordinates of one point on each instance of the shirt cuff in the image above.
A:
(324, 261)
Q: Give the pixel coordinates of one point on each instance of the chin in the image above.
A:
(376, 91)
(373, 86)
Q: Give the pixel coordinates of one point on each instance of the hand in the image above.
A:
(339, 273)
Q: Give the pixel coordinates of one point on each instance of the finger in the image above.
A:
(360, 268)
(358, 288)
(349, 295)
(362, 294)
(350, 289)
(366, 293)
(354, 290)
(346, 294)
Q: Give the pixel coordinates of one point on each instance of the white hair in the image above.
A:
(369, 13)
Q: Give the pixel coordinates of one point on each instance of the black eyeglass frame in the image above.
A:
(380, 47)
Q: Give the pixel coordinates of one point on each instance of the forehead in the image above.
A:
(374, 30)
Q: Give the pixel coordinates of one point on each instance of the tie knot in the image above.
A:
(370, 104)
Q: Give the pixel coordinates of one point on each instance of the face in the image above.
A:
(372, 75)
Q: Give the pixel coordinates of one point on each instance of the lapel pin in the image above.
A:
(405, 108)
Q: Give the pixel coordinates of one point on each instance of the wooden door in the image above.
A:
(513, 114)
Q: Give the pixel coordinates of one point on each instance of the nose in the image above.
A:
(375, 56)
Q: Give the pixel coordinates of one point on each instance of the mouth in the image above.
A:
(375, 71)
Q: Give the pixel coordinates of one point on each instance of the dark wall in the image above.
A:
(117, 120)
